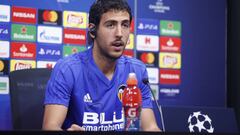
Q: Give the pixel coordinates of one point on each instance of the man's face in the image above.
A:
(112, 34)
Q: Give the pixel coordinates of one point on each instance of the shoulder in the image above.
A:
(136, 63)
(72, 61)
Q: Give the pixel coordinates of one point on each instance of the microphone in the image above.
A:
(146, 82)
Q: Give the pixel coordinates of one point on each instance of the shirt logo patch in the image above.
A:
(87, 98)
(120, 91)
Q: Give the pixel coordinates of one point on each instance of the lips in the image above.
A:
(118, 45)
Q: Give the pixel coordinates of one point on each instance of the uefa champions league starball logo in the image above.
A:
(198, 122)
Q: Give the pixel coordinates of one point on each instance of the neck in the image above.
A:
(105, 64)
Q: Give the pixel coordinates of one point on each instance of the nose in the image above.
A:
(119, 32)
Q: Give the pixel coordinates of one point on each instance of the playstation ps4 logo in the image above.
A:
(148, 26)
(51, 52)
(4, 31)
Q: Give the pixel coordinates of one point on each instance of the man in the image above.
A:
(83, 91)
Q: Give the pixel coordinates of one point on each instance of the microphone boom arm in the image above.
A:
(146, 82)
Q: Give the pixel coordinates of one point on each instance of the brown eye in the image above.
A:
(110, 25)
(126, 25)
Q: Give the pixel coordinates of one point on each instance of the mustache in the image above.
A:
(119, 42)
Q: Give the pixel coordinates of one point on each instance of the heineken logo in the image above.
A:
(23, 32)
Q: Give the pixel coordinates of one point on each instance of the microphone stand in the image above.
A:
(146, 82)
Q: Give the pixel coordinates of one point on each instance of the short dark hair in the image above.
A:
(100, 7)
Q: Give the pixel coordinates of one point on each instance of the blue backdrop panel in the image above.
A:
(203, 49)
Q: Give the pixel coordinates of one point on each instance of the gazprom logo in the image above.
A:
(49, 34)
(153, 74)
(43, 35)
(3, 17)
(4, 13)
(148, 26)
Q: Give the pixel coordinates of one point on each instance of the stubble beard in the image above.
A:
(108, 56)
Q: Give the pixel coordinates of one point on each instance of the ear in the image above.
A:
(92, 30)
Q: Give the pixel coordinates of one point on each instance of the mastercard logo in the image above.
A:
(1, 65)
(147, 58)
(50, 16)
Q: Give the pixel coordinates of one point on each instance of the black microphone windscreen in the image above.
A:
(145, 80)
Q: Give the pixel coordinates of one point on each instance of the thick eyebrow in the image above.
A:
(114, 21)
(126, 21)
